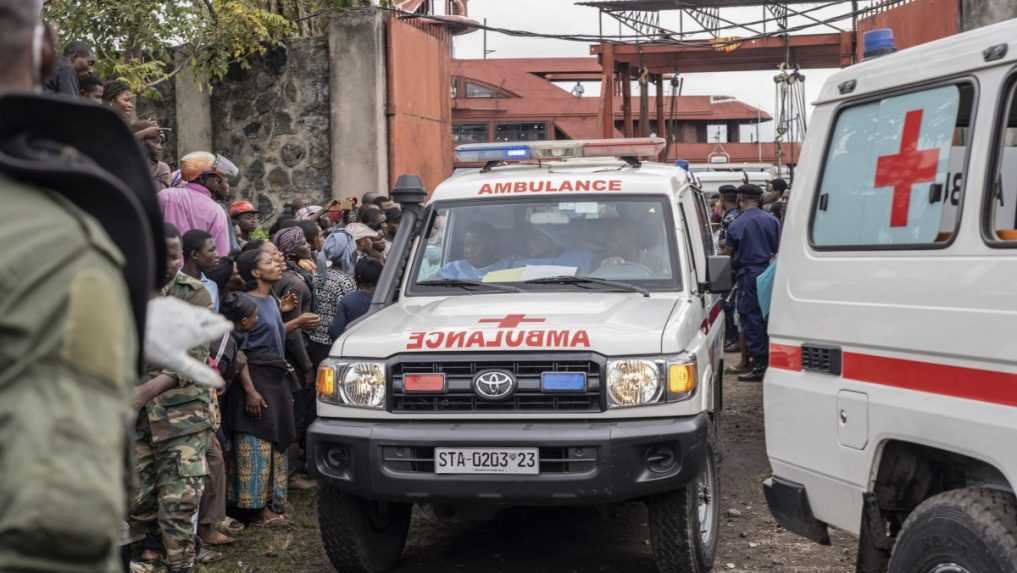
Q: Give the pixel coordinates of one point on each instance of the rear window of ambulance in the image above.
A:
(893, 172)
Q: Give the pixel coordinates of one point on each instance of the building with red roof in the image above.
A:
(528, 99)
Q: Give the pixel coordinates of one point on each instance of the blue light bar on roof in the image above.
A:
(484, 152)
(560, 149)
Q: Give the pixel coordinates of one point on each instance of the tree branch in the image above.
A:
(176, 70)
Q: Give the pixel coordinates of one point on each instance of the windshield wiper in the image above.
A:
(468, 284)
(578, 280)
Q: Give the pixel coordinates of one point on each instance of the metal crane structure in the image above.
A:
(709, 39)
(704, 16)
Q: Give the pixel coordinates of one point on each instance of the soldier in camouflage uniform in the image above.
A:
(172, 441)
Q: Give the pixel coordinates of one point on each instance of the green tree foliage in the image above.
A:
(144, 42)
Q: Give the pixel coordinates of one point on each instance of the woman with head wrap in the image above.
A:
(298, 284)
(330, 287)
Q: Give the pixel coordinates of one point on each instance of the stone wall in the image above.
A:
(272, 120)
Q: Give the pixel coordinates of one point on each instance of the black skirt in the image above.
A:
(273, 379)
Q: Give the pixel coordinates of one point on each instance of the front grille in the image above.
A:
(459, 395)
(553, 459)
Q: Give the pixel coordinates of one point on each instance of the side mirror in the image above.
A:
(718, 271)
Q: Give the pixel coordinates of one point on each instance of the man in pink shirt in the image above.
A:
(194, 205)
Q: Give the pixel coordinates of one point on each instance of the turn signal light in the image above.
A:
(681, 380)
(325, 383)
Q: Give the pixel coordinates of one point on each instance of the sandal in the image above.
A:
(230, 526)
(216, 537)
(277, 521)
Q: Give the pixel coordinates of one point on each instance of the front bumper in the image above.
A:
(581, 462)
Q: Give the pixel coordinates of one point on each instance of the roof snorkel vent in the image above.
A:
(411, 195)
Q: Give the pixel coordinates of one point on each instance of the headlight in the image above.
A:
(363, 385)
(633, 382)
(360, 384)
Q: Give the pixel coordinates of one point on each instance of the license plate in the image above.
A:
(525, 461)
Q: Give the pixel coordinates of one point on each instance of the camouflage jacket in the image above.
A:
(187, 408)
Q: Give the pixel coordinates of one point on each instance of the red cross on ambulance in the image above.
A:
(904, 169)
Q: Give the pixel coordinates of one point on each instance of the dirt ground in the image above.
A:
(575, 541)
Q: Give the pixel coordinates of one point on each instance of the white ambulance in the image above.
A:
(546, 332)
(891, 398)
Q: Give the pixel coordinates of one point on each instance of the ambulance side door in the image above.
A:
(696, 219)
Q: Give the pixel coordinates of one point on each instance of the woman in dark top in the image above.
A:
(258, 413)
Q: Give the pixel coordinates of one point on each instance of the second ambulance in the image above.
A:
(891, 398)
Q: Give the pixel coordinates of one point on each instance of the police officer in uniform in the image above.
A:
(79, 262)
(753, 238)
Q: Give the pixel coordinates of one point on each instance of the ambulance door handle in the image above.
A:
(935, 193)
(824, 201)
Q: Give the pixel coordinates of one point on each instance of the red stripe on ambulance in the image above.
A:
(957, 381)
(989, 386)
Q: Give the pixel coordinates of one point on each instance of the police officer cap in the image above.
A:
(728, 192)
(750, 190)
(779, 184)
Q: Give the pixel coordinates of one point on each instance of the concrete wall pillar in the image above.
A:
(359, 129)
(194, 113)
(978, 13)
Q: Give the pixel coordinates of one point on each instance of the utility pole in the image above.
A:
(486, 51)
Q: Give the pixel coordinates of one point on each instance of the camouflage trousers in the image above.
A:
(171, 480)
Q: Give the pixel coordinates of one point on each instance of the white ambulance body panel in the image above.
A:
(920, 311)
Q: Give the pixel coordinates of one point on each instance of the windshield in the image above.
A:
(519, 243)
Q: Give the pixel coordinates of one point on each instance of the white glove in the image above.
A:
(172, 328)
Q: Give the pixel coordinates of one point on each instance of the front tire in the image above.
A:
(359, 535)
(972, 530)
(684, 524)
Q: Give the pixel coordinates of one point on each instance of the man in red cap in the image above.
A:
(194, 205)
(245, 217)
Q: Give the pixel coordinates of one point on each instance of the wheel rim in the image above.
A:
(706, 504)
(948, 568)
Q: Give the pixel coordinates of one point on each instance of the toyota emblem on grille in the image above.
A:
(494, 384)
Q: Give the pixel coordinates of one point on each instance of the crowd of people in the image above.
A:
(211, 462)
(748, 225)
(238, 450)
